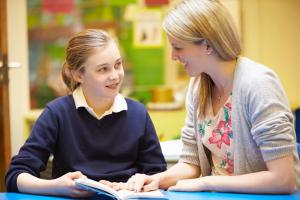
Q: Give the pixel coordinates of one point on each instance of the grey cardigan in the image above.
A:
(262, 123)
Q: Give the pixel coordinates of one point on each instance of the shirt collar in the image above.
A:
(119, 103)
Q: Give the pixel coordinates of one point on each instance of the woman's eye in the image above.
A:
(177, 48)
(103, 69)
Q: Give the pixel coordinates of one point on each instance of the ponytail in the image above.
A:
(68, 78)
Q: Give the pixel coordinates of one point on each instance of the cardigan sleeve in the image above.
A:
(189, 150)
(34, 154)
(270, 117)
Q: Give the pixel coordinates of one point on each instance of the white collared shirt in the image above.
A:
(119, 104)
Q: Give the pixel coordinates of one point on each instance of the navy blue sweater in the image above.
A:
(113, 148)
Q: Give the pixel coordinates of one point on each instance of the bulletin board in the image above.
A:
(147, 28)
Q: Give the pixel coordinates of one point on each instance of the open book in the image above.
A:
(102, 189)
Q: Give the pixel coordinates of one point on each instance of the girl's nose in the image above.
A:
(113, 76)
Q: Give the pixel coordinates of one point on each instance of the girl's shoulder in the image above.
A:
(64, 102)
(134, 104)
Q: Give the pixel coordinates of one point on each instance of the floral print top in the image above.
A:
(216, 134)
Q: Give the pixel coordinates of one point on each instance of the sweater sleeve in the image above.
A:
(270, 117)
(189, 150)
(150, 159)
(34, 154)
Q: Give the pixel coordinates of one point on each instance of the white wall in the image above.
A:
(271, 35)
(18, 77)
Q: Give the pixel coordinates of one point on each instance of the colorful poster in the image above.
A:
(147, 28)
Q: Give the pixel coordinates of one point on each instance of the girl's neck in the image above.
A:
(99, 105)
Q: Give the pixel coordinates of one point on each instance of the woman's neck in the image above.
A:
(222, 75)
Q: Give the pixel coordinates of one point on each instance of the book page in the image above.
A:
(121, 194)
(96, 187)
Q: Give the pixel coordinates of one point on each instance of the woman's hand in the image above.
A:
(188, 185)
(142, 182)
(137, 183)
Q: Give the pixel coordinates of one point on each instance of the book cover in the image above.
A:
(102, 189)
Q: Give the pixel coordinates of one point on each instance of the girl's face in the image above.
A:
(194, 57)
(103, 73)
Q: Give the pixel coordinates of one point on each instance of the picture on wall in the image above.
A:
(147, 28)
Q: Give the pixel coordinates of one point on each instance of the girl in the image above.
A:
(95, 132)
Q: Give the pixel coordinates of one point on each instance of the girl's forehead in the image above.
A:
(101, 55)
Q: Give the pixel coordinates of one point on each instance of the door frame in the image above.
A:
(5, 145)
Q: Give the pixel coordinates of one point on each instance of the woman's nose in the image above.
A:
(174, 56)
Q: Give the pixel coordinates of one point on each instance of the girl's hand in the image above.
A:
(65, 186)
(115, 185)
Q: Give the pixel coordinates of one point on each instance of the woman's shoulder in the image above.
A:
(250, 68)
(251, 74)
(256, 81)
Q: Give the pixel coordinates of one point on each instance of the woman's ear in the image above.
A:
(77, 75)
(208, 49)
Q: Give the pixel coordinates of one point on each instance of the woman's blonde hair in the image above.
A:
(79, 48)
(198, 20)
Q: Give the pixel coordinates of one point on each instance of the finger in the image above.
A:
(116, 187)
(151, 186)
(76, 174)
(105, 182)
(138, 185)
(139, 181)
(114, 183)
(130, 185)
(123, 186)
(120, 186)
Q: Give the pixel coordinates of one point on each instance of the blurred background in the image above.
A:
(38, 30)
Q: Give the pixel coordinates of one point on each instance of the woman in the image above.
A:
(94, 132)
(239, 134)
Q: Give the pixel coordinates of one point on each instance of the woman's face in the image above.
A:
(194, 57)
(103, 73)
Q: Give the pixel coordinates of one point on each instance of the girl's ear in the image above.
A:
(77, 75)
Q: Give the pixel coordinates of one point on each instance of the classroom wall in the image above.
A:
(271, 35)
(18, 77)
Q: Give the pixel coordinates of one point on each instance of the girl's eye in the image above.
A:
(118, 65)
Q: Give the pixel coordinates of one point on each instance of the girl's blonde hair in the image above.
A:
(198, 20)
(79, 48)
